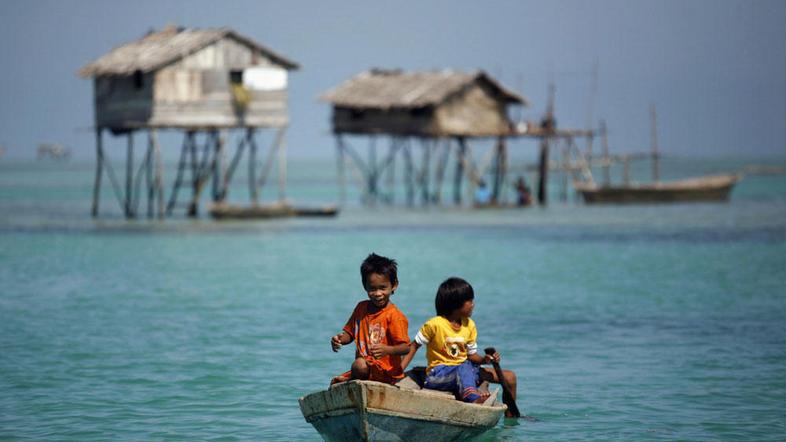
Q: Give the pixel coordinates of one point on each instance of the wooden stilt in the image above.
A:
(606, 160)
(654, 145)
(341, 163)
(129, 175)
(181, 166)
(232, 166)
(461, 150)
(252, 166)
(272, 151)
(149, 174)
(543, 170)
(99, 170)
(425, 170)
(391, 183)
(372, 170)
(440, 172)
(282, 166)
(159, 179)
(409, 174)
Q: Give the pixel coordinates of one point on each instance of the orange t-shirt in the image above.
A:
(387, 326)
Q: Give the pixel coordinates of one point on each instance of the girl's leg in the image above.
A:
(443, 378)
(468, 383)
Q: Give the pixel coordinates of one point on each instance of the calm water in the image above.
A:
(634, 323)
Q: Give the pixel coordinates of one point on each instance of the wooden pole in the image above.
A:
(654, 143)
(426, 169)
(181, 166)
(440, 172)
(543, 171)
(626, 170)
(408, 174)
(391, 179)
(196, 173)
(129, 175)
(99, 165)
(159, 182)
(372, 169)
(461, 150)
(606, 159)
(149, 174)
(282, 166)
(252, 166)
(341, 169)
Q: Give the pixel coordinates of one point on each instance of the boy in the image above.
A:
(377, 326)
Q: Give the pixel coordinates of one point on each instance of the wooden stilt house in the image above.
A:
(200, 81)
(441, 109)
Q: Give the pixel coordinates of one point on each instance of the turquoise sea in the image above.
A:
(622, 323)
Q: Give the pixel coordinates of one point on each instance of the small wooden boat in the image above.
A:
(368, 410)
(709, 188)
(278, 210)
(257, 211)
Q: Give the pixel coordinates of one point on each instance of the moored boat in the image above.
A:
(368, 410)
(708, 188)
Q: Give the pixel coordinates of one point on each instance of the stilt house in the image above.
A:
(202, 82)
(428, 104)
(190, 78)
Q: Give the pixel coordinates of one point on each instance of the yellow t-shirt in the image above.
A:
(444, 344)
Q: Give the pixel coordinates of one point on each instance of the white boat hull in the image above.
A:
(365, 410)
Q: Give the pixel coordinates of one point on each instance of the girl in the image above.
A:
(451, 345)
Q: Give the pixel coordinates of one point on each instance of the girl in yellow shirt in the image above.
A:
(451, 344)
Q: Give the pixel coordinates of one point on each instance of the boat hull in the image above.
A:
(365, 410)
(715, 188)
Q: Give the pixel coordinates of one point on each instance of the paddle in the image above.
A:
(507, 397)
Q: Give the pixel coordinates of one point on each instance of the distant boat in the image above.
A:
(367, 410)
(52, 150)
(707, 188)
(710, 188)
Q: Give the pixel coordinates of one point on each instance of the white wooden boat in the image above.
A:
(708, 188)
(367, 410)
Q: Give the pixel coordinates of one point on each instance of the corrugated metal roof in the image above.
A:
(384, 89)
(160, 48)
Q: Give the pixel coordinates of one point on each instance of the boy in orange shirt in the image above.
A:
(377, 326)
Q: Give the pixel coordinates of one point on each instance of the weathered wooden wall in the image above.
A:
(394, 121)
(474, 112)
(193, 92)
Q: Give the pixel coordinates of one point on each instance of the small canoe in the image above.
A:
(260, 211)
(257, 211)
(368, 410)
(709, 188)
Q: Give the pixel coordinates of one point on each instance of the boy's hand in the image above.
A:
(379, 350)
(335, 342)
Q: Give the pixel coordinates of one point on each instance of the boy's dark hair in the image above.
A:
(380, 265)
(452, 294)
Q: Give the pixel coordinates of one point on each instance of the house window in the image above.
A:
(138, 79)
(236, 77)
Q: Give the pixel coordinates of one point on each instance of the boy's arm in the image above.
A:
(340, 339)
(413, 348)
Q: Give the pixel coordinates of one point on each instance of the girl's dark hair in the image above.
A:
(380, 265)
(452, 294)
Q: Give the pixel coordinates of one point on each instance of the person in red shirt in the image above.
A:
(377, 326)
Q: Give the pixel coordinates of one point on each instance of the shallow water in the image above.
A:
(627, 323)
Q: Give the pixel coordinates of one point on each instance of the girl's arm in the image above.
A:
(413, 348)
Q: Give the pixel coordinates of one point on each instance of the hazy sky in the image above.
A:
(716, 70)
